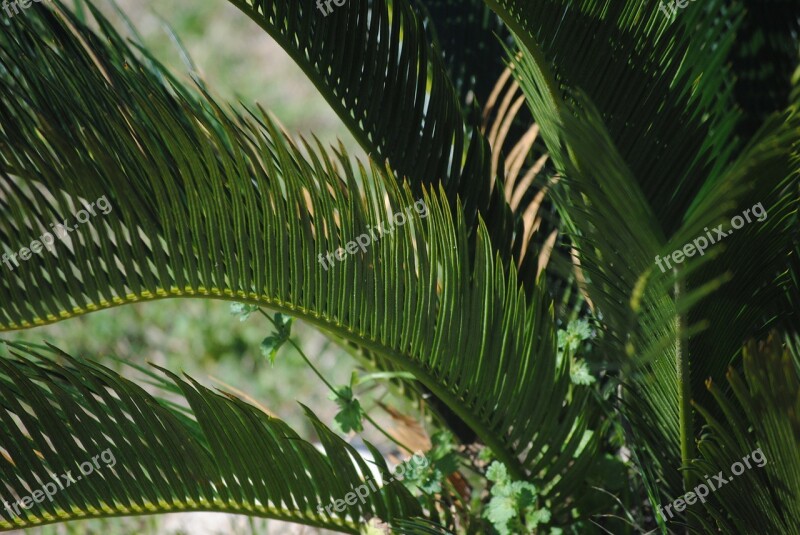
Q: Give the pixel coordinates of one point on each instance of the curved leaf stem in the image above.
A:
(683, 373)
(332, 389)
(407, 362)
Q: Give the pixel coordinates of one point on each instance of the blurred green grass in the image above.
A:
(238, 60)
(203, 339)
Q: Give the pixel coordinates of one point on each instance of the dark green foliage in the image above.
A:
(397, 100)
(764, 57)
(220, 454)
(765, 498)
(637, 113)
(470, 37)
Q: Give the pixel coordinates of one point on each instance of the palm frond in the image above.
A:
(764, 496)
(617, 235)
(622, 210)
(520, 158)
(212, 203)
(754, 259)
(663, 96)
(373, 63)
(60, 415)
(470, 37)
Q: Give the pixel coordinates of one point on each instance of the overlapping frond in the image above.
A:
(528, 177)
(372, 61)
(762, 495)
(646, 151)
(662, 93)
(99, 445)
(470, 36)
(755, 258)
(642, 306)
(211, 203)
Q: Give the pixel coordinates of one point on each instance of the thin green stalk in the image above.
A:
(387, 435)
(684, 378)
(404, 361)
(302, 354)
(332, 389)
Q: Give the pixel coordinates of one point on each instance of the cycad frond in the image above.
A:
(618, 233)
(662, 95)
(471, 37)
(373, 63)
(210, 205)
(521, 161)
(646, 155)
(220, 454)
(764, 497)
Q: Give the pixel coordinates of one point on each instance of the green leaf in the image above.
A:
(497, 473)
(429, 481)
(499, 511)
(579, 373)
(443, 455)
(525, 493)
(243, 310)
(485, 455)
(421, 475)
(427, 473)
(570, 341)
(534, 518)
(271, 344)
(577, 331)
(513, 507)
(350, 416)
